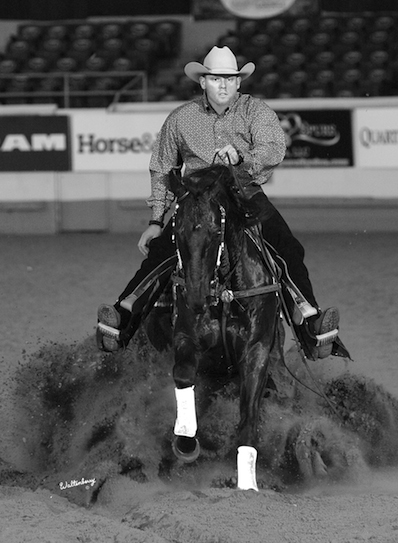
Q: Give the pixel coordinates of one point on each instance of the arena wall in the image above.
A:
(105, 195)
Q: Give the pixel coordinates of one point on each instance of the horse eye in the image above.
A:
(197, 226)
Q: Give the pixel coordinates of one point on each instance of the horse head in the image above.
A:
(204, 199)
(199, 229)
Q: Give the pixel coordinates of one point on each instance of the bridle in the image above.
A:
(219, 291)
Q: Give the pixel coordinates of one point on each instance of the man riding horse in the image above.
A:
(243, 132)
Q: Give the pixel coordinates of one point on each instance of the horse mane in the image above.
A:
(218, 182)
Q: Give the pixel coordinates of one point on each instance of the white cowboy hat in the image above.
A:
(220, 61)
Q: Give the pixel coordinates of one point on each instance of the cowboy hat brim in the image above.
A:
(194, 70)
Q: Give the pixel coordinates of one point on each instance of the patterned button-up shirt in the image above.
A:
(192, 132)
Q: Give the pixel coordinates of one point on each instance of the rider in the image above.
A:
(221, 126)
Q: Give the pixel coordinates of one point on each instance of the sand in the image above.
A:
(51, 286)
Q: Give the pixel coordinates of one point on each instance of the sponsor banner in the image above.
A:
(317, 138)
(376, 137)
(34, 143)
(114, 141)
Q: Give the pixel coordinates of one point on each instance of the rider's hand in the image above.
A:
(228, 151)
(153, 231)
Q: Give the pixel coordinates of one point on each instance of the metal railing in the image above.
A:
(130, 84)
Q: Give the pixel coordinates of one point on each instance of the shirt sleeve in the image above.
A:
(165, 157)
(268, 144)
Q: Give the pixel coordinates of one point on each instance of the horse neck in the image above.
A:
(245, 260)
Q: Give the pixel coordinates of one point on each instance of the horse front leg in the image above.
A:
(253, 375)
(185, 445)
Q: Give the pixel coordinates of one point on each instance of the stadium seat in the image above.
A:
(30, 33)
(286, 45)
(323, 60)
(265, 63)
(292, 63)
(318, 42)
(246, 28)
(302, 26)
(377, 59)
(137, 30)
(111, 49)
(50, 83)
(58, 32)
(143, 54)
(268, 85)
(349, 80)
(66, 64)
(324, 79)
(351, 59)
(378, 40)
(166, 30)
(258, 45)
(78, 81)
(376, 83)
(274, 27)
(81, 49)
(8, 66)
(103, 83)
(121, 64)
(295, 85)
(19, 50)
(86, 31)
(51, 49)
(344, 93)
(356, 24)
(346, 42)
(109, 31)
(316, 92)
(384, 22)
(19, 83)
(330, 25)
(35, 65)
(95, 63)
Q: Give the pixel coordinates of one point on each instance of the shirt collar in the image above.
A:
(207, 106)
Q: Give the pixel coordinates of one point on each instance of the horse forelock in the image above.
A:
(207, 180)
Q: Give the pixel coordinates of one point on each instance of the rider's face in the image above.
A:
(221, 90)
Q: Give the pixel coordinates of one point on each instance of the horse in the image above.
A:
(227, 306)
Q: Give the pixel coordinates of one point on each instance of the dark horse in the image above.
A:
(227, 305)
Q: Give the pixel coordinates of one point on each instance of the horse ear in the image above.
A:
(175, 182)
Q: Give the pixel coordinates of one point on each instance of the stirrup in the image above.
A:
(328, 337)
(109, 331)
(326, 332)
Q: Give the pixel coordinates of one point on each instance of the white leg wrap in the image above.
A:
(247, 457)
(185, 424)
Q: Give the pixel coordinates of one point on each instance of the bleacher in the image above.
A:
(85, 64)
(88, 64)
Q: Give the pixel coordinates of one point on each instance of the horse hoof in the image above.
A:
(186, 449)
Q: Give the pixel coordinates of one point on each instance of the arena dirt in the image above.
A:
(51, 287)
